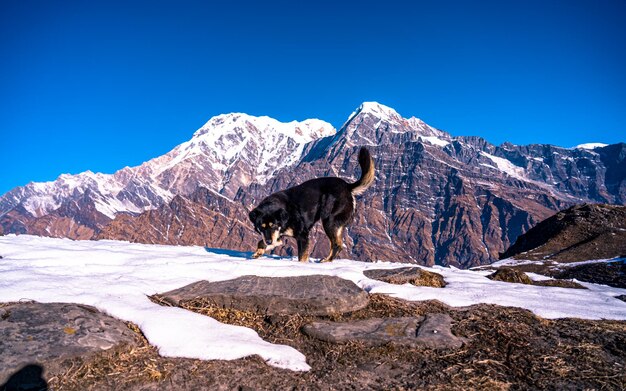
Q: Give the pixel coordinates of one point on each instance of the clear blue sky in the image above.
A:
(100, 85)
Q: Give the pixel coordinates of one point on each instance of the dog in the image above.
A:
(294, 211)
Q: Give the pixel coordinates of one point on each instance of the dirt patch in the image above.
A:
(506, 348)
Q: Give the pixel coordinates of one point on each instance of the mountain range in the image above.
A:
(437, 198)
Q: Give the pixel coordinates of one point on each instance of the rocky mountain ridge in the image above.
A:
(579, 233)
(437, 199)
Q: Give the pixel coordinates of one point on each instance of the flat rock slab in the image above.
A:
(432, 331)
(310, 295)
(48, 333)
(412, 275)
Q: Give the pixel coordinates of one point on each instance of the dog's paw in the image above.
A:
(325, 260)
(256, 255)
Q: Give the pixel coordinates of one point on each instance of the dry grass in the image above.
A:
(125, 365)
(412, 275)
(510, 275)
(507, 348)
(429, 279)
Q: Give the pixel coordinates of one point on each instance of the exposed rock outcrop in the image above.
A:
(312, 295)
(49, 333)
(431, 331)
(510, 275)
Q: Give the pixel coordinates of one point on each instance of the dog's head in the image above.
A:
(269, 224)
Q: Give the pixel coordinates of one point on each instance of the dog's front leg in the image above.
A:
(303, 248)
(260, 249)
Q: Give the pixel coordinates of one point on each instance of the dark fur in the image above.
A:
(294, 211)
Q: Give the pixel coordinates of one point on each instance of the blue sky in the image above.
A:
(100, 85)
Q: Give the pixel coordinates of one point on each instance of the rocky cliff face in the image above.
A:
(437, 199)
(201, 218)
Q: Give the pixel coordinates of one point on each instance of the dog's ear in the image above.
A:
(253, 215)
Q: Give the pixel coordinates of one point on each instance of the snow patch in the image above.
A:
(435, 141)
(590, 146)
(505, 166)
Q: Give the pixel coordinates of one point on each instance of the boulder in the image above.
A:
(432, 331)
(310, 295)
(45, 334)
(412, 275)
(510, 275)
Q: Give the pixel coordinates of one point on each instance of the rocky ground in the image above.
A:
(496, 348)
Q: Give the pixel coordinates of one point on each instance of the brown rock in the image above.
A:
(404, 275)
(559, 283)
(510, 275)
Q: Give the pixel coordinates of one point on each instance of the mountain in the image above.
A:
(579, 233)
(228, 152)
(437, 199)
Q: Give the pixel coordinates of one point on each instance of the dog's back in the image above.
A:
(321, 198)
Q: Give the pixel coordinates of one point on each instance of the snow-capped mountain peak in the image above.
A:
(373, 123)
(377, 109)
(590, 146)
(302, 132)
(258, 146)
(228, 151)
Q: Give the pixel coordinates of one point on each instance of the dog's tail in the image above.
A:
(367, 173)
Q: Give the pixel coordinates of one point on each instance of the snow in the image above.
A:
(505, 166)
(377, 108)
(590, 146)
(560, 265)
(435, 141)
(302, 132)
(116, 278)
(264, 143)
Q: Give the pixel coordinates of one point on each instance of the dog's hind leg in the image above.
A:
(335, 235)
(303, 248)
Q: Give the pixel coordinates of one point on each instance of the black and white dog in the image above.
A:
(294, 211)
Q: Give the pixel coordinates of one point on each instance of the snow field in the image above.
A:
(116, 277)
